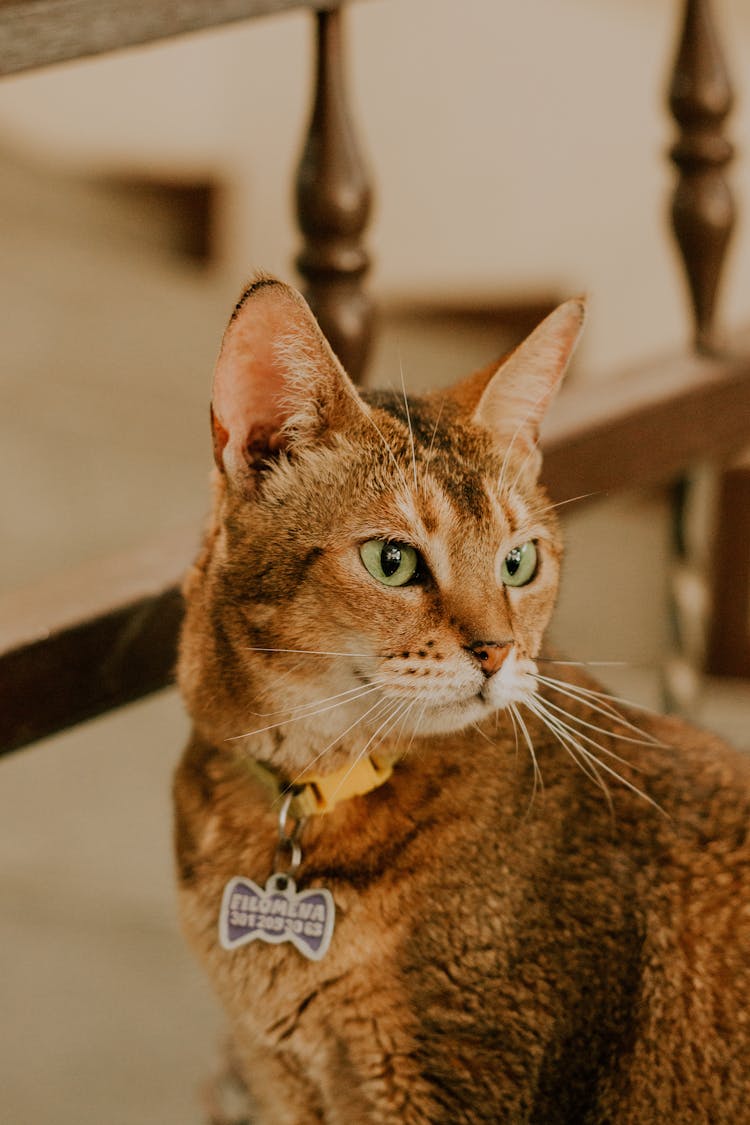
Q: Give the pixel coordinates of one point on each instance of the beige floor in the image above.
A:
(107, 354)
(104, 1017)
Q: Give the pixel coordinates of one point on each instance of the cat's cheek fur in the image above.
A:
(531, 620)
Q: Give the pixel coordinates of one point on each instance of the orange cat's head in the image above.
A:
(375, 568)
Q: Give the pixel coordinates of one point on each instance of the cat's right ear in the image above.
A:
(277, 383)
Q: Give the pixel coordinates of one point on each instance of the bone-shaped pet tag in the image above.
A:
(277, 913)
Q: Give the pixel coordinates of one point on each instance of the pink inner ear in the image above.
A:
(248, 377)
(250, 383)
(275, 367)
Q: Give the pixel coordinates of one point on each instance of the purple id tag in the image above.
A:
(276, 913)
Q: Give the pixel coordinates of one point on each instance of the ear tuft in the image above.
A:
(518, 395)
(277, 382)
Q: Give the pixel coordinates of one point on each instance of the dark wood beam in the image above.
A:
(648, 425)
(76, 645)
(729, 631)
(35, 33)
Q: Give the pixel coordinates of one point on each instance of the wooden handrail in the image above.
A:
(35, 33)
(646, 426)
(75, 645)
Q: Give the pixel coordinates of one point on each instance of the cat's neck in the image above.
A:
(311, 748)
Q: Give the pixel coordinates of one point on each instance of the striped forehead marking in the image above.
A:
(434, 433)
(432, 518)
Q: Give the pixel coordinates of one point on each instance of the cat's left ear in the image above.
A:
(277, 383)
(515, 400)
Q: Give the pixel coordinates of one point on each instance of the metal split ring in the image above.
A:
(288, 839)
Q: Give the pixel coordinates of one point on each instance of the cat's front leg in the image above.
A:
(277, 1092)
(350, 1069)
(369, 1075)
(280, 1093)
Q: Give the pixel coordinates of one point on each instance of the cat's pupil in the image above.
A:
(513, 561)
(390, 559)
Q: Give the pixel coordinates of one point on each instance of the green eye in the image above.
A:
(393, 564)
(519, 565)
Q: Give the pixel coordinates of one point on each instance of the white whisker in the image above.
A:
(389, 451)
(381, 703)
(584, 663)
(435, 427)
(396, 708)
(516, 433)
(411, 428)
(571, 738)
(532, 450)
(353, 691)
(504, 465)
(582, 758)
(593, 726)
(404, 718)
(312, 652)
(310, 715)
(604, 695)
(399, 716)
(596, 700)
(542, 706)
(538, 781)
(510, 711)
(572, 691)
(483, 734)
(416, 726)
(572, 500)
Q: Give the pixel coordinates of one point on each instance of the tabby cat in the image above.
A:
(434, 875)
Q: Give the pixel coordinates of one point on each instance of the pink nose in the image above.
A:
(490, 654)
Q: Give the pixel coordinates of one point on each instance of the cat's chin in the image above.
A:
(495, 695)
(450, 718)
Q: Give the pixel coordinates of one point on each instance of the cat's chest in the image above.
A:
(413, 883)
(383, 935)
(282, 999)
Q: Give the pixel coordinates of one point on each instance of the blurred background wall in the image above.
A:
(514, 145)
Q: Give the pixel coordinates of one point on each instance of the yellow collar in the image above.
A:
(320, 793)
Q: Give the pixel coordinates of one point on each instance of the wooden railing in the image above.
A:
(79, 645)
(36, 33)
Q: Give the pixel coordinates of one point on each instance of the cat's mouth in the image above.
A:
(454, 706)
(449, 716)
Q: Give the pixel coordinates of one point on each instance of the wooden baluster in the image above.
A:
(700, 98)
(729, 640)
(703, 215)
(689, 594)
(333, 206)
